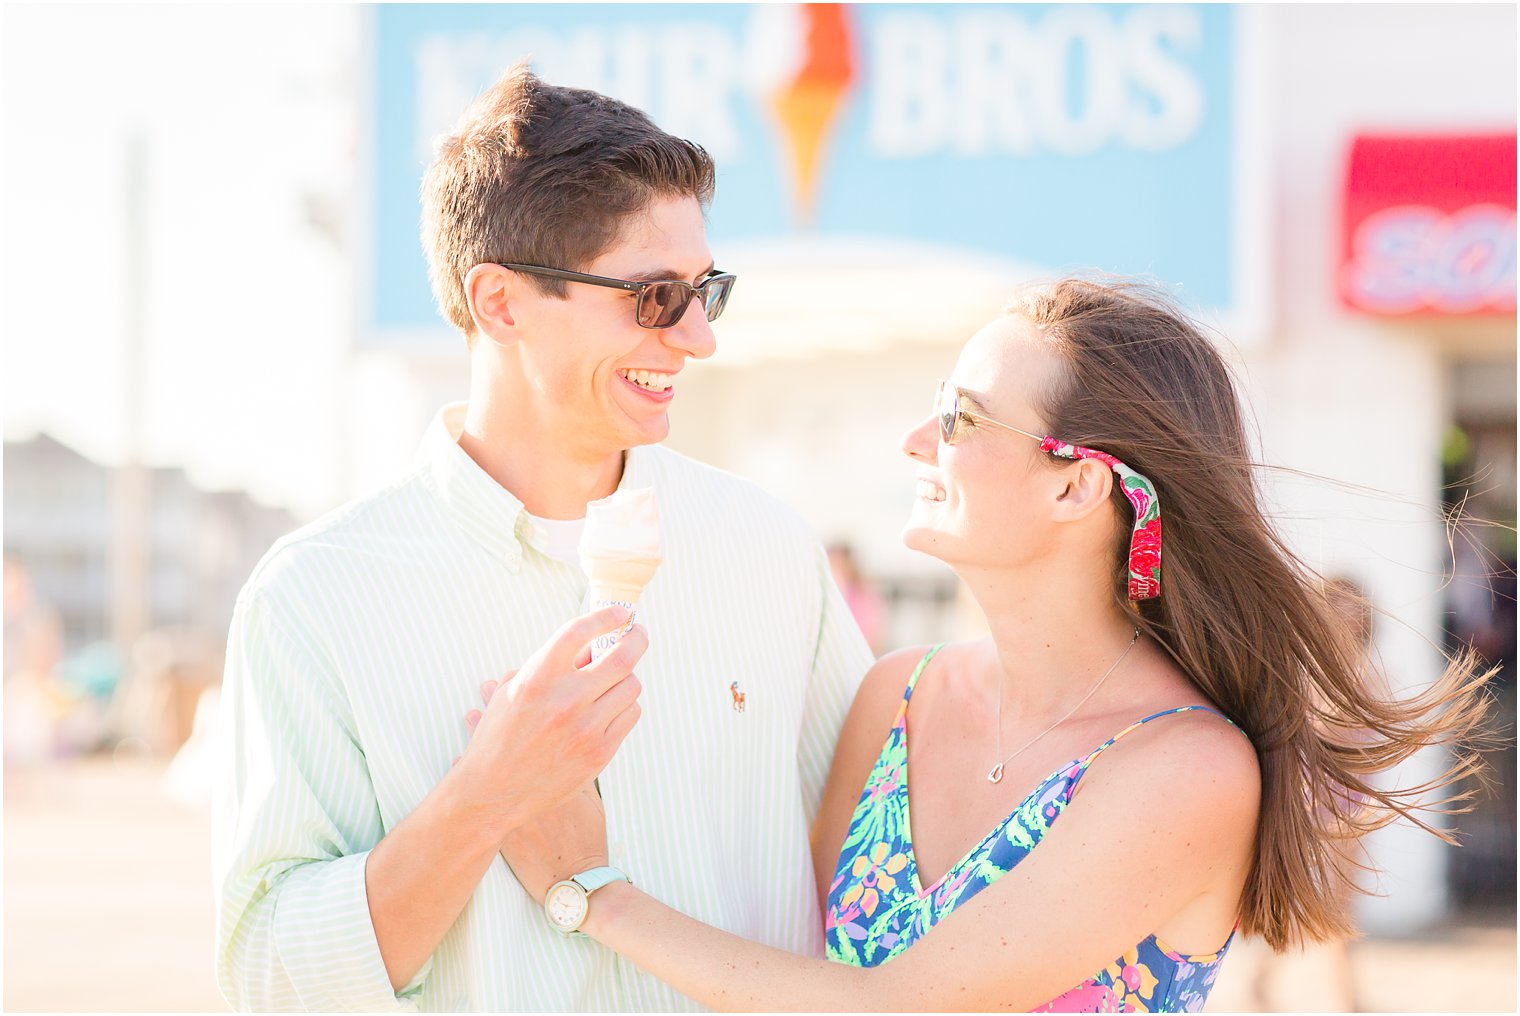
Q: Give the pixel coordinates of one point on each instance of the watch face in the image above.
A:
(566, 906)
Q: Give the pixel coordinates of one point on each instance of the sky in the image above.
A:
(248, 129)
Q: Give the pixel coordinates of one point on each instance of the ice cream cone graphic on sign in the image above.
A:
(620, 550)
(807, 102)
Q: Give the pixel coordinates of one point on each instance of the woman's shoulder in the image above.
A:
(1189, 752)
(879, 697)
(1168, 720)
(885, 685)
(866, 730)
(897, 665)
(881, 690)
(887, 680)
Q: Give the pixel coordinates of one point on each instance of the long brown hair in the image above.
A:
(1247, 621)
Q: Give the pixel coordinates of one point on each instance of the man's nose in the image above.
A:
(693, 334)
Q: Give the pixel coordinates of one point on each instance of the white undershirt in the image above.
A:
(564, 538)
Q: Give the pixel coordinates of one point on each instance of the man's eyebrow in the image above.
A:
(669, 274)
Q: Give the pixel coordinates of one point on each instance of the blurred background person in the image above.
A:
(860, 594)
(34, 703)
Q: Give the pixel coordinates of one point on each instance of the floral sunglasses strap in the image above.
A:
(1145, 538)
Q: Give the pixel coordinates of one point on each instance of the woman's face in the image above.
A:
(982, 499)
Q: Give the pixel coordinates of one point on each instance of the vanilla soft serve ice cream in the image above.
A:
(620, 550)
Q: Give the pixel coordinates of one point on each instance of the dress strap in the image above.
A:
(913, 677)
(1140, 723)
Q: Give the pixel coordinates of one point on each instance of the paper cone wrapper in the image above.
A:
(616, 581)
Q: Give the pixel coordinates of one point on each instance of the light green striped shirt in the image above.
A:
(361, 641)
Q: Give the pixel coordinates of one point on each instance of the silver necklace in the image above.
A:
(995, 774)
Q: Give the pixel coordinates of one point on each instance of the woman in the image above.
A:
(1157, 744)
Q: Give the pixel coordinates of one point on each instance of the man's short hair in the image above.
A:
(543, 175)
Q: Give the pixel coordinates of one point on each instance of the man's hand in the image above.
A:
(554, 724)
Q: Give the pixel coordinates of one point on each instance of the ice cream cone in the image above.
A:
(620, 551)
(807, 110)
(616, 581)
(807, 104)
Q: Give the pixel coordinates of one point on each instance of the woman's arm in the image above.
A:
(1160, 822)
(721, 971)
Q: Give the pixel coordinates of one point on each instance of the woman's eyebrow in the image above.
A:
(976, 403)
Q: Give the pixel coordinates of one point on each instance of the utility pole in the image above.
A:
(129, 606)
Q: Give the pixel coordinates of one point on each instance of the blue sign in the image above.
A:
(1057, 136)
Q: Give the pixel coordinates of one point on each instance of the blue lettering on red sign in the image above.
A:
(1413, 258)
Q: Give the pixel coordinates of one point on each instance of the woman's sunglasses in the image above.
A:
(1145, 537)
(660, 304)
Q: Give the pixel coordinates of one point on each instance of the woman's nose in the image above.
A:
(922, 442)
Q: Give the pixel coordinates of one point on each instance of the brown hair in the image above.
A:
(1248, 622)
(543, 175)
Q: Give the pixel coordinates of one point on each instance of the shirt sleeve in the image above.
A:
(294, 818)
(840, 662)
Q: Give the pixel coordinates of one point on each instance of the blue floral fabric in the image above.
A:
(877, 907)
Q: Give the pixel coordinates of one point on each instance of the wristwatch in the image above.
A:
(566, 903)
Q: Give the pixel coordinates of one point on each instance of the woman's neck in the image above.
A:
(1055, 630)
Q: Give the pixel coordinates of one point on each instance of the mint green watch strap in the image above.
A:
(594, 879)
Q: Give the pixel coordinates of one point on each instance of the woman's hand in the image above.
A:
(562, 842)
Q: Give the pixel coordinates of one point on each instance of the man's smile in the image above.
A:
(652, 385)
(649, 380)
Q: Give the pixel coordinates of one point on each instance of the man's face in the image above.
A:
(584, 355)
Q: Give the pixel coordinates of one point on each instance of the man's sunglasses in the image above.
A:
(661, 303)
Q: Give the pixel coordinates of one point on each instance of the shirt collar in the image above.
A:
(488, 512)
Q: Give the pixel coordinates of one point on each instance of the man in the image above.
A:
(356, 867)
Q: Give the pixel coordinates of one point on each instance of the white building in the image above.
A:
(200, 546)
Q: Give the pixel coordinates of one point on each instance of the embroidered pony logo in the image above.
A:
(738, 697)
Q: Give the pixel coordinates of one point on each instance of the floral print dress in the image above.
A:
(877, 908)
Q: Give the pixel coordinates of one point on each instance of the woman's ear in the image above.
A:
(489, 291)
(1088, 486)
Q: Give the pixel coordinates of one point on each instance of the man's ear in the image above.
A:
(1088, 486)
(489, 291)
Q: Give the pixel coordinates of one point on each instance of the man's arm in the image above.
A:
(309, 918)
(293, 815)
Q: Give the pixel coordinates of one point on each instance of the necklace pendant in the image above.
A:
(996, 775)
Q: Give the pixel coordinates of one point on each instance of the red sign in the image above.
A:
(1430, 225)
